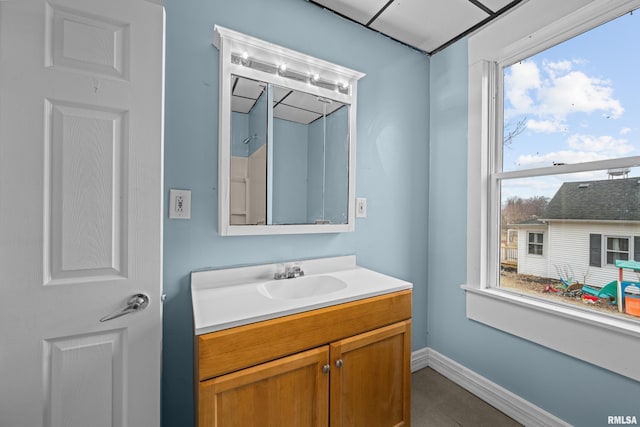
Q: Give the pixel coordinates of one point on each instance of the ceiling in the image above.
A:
(427, 25)
(288, 104)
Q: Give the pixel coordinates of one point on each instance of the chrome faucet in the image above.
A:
(290, 272)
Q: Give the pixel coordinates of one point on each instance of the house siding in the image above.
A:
(567, 244)
(535, 265)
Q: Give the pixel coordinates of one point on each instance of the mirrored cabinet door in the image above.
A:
(286, 147)
(289, 156)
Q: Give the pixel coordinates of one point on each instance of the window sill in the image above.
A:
(598, 339)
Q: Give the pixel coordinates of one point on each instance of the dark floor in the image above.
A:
(439, 402)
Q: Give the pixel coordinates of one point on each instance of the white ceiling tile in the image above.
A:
(304, 100)
(427, 24)
(241, 105)
(495, 5)
(247, 88)
(279, 92)
(333, 107)
(286, 112)
(359, 10)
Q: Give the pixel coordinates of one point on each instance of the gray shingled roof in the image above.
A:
(612, 200)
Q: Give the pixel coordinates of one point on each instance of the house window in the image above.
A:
(535, 243)
(552, 146)
(617, 248)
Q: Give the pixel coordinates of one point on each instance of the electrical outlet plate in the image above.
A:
(179, 204)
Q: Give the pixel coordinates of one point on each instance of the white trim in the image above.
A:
(419, 359)
(582, 334)
(588, 336)
(231, 42)
(500, 398)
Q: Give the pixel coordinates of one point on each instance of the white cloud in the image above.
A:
(523, 78)
(625, 131)
(553, 68)
(563, 156)
(606, 145)
(576, 92)
(582, 148)
(546, 126)
(554, 90)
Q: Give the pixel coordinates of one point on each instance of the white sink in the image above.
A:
(230, 297)
(301, 287)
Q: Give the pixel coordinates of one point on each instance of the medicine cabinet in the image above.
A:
(287, 137)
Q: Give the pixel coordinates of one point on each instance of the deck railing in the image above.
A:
(509, 255)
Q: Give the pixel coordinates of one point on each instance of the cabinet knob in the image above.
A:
(339, 363)
(326, 369)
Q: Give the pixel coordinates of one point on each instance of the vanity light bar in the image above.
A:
(284, 71)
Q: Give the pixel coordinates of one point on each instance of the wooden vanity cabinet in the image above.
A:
(345, 365)
(371, 377)
(291, 391)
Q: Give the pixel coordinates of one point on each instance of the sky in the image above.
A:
(577, 101)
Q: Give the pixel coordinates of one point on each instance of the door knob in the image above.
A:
(326, 369)
(339, 363)
(136, 303)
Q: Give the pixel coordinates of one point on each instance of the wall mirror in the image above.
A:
(286, 140)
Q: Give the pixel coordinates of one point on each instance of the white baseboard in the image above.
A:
(419, 359)
(500, 398)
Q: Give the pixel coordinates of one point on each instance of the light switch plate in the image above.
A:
(361, 207)
(179, 204)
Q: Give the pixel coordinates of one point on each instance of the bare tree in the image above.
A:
(517, 209)
(513, 129)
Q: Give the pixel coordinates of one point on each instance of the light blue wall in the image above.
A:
(290, 142)
(337, 168)
(577, 392)
(239, 131)
(392, 159)
(314, 168)
(337, 165)
(258, 123)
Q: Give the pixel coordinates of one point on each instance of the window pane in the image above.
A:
(618, 244)
(578, 101)
(570, 231)
(535, 249)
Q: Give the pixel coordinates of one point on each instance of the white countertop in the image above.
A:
(230, 297)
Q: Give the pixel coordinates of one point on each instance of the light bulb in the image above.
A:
(245, 59)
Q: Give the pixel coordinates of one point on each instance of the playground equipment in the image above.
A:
(615, 290)
(608, 291)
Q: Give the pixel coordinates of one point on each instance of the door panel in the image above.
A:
(81, 92)
(86, 224)
(87, 372)
(371, 378)
(292, 391)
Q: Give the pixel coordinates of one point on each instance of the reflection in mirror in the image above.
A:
(248, 152)
(290, 156)
(286, 143)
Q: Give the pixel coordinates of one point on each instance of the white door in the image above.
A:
(81, 93)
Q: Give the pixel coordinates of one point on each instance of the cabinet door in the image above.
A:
(371, 378)
(292, 391)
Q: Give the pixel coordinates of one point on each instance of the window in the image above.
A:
(535, 243)
(617, 248)
(566, 161)
(546, 133)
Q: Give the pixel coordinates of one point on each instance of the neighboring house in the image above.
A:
(585, 227)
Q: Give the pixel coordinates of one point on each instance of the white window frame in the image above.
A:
(527, 30)
(606, 251)
(540, 245)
